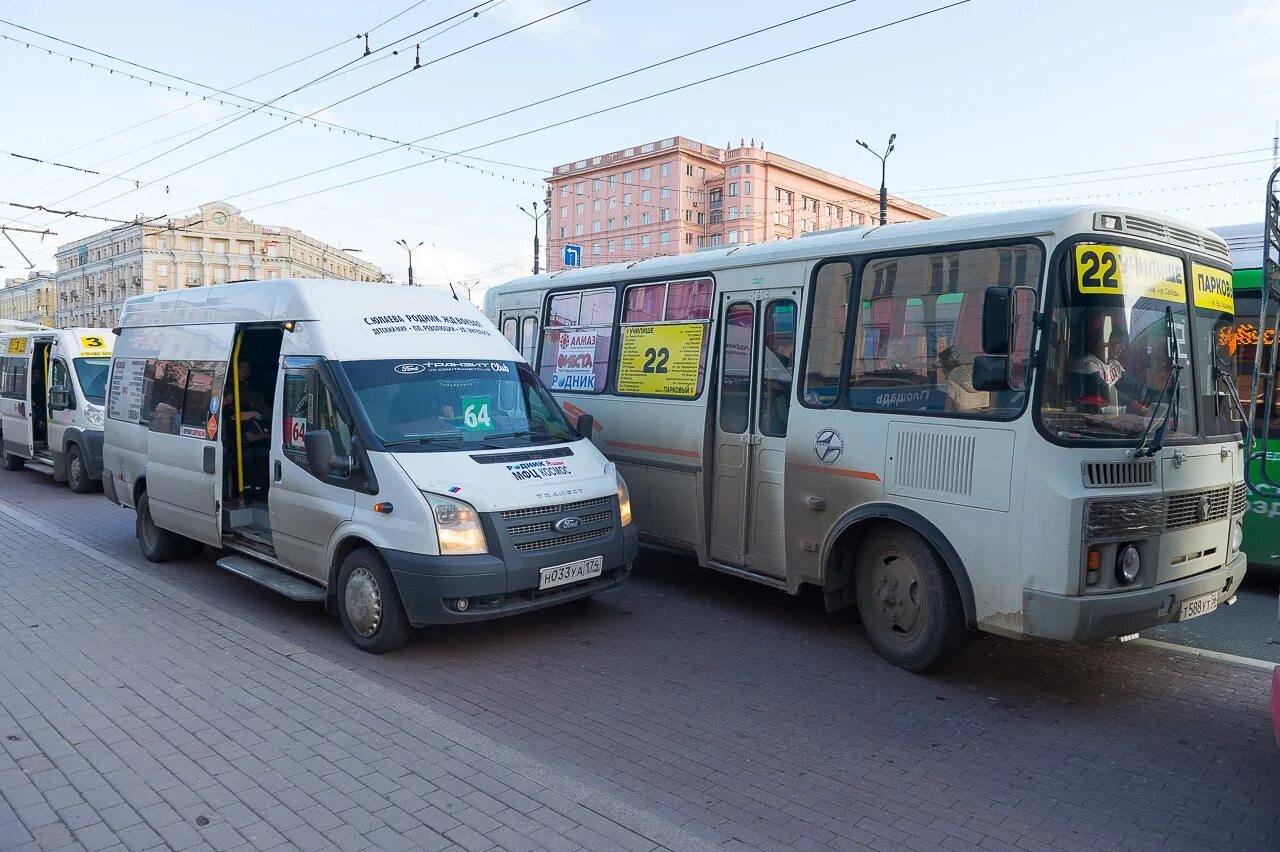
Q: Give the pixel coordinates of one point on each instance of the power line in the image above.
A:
(642, 99)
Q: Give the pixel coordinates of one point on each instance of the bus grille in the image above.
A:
(1185, 509)
(1139, 517)
(1124, 474)
(545, 526)
(1239, 498)
(535, 511)
(562, 541)
(1173, 234)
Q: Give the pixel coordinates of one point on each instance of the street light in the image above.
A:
(534, 217)
(404, 245)
(884, 195)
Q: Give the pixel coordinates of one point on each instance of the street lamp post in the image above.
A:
(534, 217)
(404, 245)
(884, 194)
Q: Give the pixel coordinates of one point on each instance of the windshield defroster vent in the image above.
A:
(1119, 474)
(507, 458)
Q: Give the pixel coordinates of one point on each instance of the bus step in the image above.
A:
(279, 581)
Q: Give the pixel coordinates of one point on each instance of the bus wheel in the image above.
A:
(77, 477)
(369, 604)
(907, 600)
(158, 545)
(12, 462)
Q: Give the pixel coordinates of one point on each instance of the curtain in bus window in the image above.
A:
(779, 357)
(919, 328)
(578, 341)
(825, 347)
(735, 374)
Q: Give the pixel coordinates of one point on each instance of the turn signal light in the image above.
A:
(383, 508)
(1095, 560)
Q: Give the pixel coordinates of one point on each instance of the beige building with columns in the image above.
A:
(215, 246)
(676, 195)
(30, 299)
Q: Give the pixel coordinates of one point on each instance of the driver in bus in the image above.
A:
(1101, 381)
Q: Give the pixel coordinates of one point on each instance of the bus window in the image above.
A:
(825, 346)
(529, 338)
(578, 341)
(735, 375)
(510, 330)
(779, 356)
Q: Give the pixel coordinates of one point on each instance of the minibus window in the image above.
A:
(93, 378)
(735, 375)
(779, 356)
(578, 341)
(825, 348)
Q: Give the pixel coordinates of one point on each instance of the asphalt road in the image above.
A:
(1248, 629)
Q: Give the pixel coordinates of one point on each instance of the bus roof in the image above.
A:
(1029, 222)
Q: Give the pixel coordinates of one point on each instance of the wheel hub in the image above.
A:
(363, 602)
(897, 592)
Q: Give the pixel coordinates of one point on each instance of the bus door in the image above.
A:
(520, 327)
(757, 363)
(38, 396)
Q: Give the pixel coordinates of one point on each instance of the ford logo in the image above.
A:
(565, 525)
(409, 369)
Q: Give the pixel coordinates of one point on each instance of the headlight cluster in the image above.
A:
(1128, 564)
(1237, 536)
(624, 501)
(93, 415)
(457, 526)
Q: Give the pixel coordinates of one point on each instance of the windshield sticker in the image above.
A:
(475, 414)
(575, 361)
(17, 345)
(410, 323)
(1212, 288)
(211, 428)
(214, 402)
(452, 367)
(92, 343)
(193, 431)
(125, 396)
(409, 369)
(661, 359)
(533, 471)
(1134, 273)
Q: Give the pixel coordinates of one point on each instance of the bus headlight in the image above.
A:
(93, 415)
(1237, 537)
(624, 501)
(457, 526)
(1128, 564)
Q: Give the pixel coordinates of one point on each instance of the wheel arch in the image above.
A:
(845, 535)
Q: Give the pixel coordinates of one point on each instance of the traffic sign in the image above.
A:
(572, 255)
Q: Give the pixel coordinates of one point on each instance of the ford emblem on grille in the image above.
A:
(565, 525)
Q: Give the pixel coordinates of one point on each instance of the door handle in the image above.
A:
(210, 457)
(279, 471)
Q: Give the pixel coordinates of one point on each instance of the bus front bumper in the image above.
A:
(1081, 618)
(430, 586)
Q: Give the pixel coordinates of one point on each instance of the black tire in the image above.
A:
(907, 600)
(77, 473)
(12, 462)
(157, 544)
(369, 604)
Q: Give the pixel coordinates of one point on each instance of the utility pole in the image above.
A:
(884, 194)
(404, 245)
(534, 217)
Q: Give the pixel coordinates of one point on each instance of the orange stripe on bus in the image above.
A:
(689, 454)
(837, 471)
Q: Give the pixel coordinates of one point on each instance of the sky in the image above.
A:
(1169, 105)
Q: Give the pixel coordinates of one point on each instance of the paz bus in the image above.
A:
(1262, 513)
(1009, 422)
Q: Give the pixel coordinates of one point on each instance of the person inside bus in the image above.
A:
(1101, 383)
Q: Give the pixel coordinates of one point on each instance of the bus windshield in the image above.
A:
(448, 405)
(92, 373)
(1118, 329)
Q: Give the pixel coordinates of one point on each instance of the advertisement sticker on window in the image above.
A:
(475, 414)
(1131, 272)
(575, 361)
(662, 360)
(1212, 288)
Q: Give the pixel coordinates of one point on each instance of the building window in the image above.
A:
(219, 275)
(733, 238)
(644, 241)
(733, 171)
(716, 240)
(162, 244)
(733, 212)
(564, 191)
(578, 208)
(644, 218)
(746, 235)
(193, 245)
(665, 170)
(746, 211)
(626, 222)
(785, 197)
(646, 173)
(702, 173)
(746, 187)
(577, 230)
(666, 192)
(564, 211)
(688, 215)
(595, 248)
(273, 250)
(746, 169)
(644, 196)
(613, 246)
(626, 199)
(613, 223)
(613, 181)
(595, 206)
(688, 239)
(595, 226)
(162, 270)
(595, 184)
(666, 214)
(626, 244)
(219, 246)
(613, 202)
(579, 188)
(665, 237)
(564, 232)
(688, 170)
(626, 178)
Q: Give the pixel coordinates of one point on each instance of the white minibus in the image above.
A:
(53, 384)
(379, 448)
(1021, 422)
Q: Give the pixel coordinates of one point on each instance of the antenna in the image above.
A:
(449, 281)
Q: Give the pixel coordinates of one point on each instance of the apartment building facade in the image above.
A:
(30, 299)
(677, 195)
(215, 246)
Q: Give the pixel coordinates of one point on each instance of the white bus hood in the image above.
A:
(519, 479)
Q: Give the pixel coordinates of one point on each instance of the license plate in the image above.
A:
(570, 572)
(1196, 607)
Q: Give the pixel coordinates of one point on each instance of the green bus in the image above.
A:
(1262, 520)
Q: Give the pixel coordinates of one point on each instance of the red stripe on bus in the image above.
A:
(837, 471)
(689, 454)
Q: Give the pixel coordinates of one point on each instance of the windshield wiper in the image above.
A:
(1221, 374)
(1171, 388)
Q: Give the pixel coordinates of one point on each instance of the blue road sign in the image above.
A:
(572, 255)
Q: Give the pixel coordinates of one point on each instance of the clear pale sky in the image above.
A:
(989, 91)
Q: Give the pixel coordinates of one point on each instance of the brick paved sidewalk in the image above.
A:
(132, 716)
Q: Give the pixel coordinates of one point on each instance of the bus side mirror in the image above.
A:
(585, 426)
(991, 373)
(59, 398)
(997, 318)
(321, 456)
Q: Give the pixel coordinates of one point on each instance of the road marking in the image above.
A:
(1250, 662)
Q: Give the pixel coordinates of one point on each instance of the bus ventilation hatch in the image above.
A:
(936, 462)
(1120, 474)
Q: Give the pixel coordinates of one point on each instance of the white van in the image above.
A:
(53, 384)
(379, 448)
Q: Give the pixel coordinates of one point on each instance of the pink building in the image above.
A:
(677, 195)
